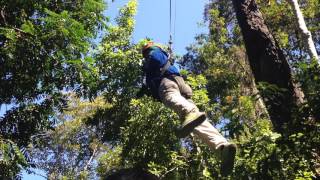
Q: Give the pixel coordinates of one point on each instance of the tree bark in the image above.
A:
(268, 63)
(306, 34)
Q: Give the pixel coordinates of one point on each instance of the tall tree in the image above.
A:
(268, 64)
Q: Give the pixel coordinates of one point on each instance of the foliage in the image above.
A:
(109, 161)
(46, 52)
(146, 116)
(11, 158)
(118, 62)
(280, 19)
(309, 76)
(148, 140)
(72, 147)
(44, 47)
(30, 120)
(280, 153)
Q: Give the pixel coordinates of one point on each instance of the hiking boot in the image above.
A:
(191, 121)
(228, 153)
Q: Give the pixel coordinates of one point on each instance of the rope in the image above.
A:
(174, 21)
(170, 25)
(170, 53)
(170, 29)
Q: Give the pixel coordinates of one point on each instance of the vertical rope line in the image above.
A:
(170, 27)
(174, 21)
(170, 16)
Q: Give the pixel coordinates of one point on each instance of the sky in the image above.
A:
(152, 20)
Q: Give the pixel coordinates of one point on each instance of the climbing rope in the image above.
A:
(170, 25)
(170, 29)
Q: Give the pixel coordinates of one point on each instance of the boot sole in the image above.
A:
(188, 128)
(228, 164)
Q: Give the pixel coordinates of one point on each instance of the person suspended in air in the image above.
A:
(167, 85)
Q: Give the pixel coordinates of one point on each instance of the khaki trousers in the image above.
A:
(173, 92)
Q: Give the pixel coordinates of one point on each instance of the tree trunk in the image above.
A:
(306, 34)
(267, 62)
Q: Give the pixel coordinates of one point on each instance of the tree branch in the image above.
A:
(306, 34)
(91, 158)
(3, 15)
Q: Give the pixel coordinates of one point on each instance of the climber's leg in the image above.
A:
(188, 112)
(224, 150)
(210, 135)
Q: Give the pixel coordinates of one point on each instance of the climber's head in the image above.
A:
(147, 45)
(146, 48)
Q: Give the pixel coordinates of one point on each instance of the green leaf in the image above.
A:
(206, 173)
(28, 27)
